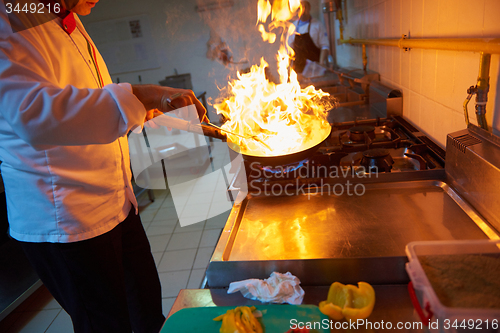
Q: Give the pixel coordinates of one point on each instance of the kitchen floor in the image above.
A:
(181, 255)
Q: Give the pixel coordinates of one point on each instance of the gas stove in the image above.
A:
(364, 148)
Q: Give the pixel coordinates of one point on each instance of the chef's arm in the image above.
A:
(45, 115)
(168, 99)
(323, 57)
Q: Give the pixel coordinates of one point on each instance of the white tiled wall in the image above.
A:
(434, 83)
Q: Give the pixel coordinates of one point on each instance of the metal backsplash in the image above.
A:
(473, 168)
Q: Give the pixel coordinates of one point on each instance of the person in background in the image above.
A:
(310, 40)
(66, 170)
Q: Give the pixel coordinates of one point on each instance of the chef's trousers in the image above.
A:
(106, 284)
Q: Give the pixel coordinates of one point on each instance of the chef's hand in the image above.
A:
(166, 99)
(323, 58)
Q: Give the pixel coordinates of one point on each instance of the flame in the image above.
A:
(267, 36)
(263, 9)
(282, 118)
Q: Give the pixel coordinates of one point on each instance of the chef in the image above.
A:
(310, 40)
(66, 169)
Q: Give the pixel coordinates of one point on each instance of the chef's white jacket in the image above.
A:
(63, 140)
(318, 33)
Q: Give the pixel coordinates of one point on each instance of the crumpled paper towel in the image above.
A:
(278, 288)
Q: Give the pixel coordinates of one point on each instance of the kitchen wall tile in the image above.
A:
(445, 75)
(369, 23)
(173, 282)
(388, 18)
(406, 103)
(417, 15)
(384, 63)
(448, 18)
(428, 85)
(443, 123)
(203, 257)
(405, 68)
(430, 19)
(406, 16)
(415, 70)
(458, 121)
(396, 65)
(378, 13)
(466, 71)
(396, 20)
(185, 240)
(196, 278)
(62, 324)
(470, 18)
(177, 260)
(428, 111)
(210, 237)
(373, 58)
(491, 25)
(414, 114)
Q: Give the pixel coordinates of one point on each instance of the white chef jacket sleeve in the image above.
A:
(322, 37)
(43, 114)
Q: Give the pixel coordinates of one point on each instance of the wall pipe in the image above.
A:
(486, 46)
(483, 86)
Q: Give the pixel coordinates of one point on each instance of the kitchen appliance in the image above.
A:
(347, 212)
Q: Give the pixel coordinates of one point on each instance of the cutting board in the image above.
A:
(275, 318)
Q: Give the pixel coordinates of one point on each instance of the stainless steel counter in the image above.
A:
(392, 303)
(323, 237)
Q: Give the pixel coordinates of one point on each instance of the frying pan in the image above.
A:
(213, 132)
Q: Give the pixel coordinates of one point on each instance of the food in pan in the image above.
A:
(348, 301)
(239, 320)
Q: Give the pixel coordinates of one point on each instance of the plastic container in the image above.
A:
(436, 316)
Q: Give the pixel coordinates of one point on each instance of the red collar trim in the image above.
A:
(69, 23)
(68, 18)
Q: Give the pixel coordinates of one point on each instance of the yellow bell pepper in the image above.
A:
(348, 301)
(239, 320)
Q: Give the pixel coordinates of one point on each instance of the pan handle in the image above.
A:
(184, 125)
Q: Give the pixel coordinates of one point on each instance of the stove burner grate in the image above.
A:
(357, 133)
(377, 160)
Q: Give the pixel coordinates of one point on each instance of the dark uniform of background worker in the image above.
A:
(310, 40)
(66, 168)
